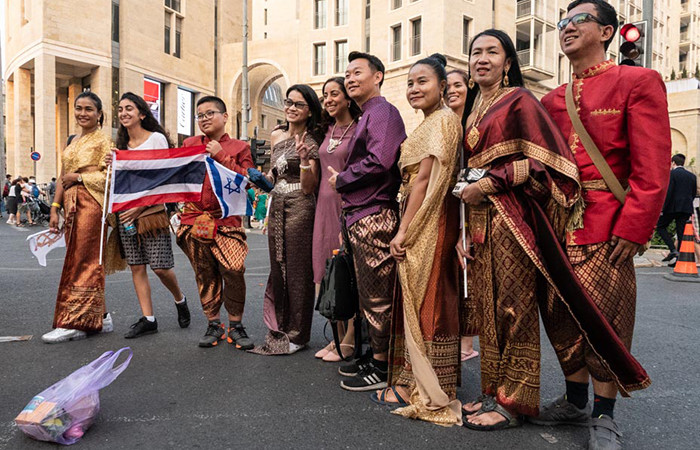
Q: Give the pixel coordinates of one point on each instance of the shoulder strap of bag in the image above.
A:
(603, 167)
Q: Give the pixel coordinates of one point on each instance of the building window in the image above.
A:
(396, 4)
(396, 43)
(173, 4)
(178, 36)
(367, 9)
(265, 16)
(367, 43)
(319, 59)
(319, 14)
(341, 12)
(341, 56)
(263, 121)
(415, 36)
(168, 19)
(115, 97)
(115, 22)
(466, 27)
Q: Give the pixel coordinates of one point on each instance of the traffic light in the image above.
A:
(633, 43)
(255, 144)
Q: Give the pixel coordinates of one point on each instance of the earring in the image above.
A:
(506, 82)
(470, 83)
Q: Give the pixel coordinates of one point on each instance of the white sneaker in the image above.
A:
(63, 335)
(107, 324)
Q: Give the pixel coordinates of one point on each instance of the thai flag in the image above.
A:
(151, 177)
(230, 190)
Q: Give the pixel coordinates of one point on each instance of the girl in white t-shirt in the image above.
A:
(139, 130)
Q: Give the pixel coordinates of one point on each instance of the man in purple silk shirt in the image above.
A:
(368, 187)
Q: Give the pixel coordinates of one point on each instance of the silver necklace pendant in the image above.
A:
(333, 144)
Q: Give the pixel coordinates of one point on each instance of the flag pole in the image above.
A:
(104, 210)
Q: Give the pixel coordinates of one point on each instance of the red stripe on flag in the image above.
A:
(159, 199)
(167, 153)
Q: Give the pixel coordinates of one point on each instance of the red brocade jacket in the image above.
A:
(234, 155)
(624, 109)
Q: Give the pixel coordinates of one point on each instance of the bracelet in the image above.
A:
(303, 167)
(57, 205)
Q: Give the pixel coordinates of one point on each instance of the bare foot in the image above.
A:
(485, 419)
(471, 408)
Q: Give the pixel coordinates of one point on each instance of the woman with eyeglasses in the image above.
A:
(340, 116)
(289, 296)
(518, 210)
(144, 231)
(80, 192)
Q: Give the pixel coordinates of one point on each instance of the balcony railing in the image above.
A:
(525, 57)
(684, 36)
(525, 8)
(684, 7)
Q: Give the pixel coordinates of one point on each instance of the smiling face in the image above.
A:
(361, 82)
(334, 100)
(86, 113)
(585, 37)
(456, 91)
(213, 125)
(129, 114)
(295, 114)
(423, 89)
(488, 61)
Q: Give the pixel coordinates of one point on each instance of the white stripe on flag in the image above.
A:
(165, 189)
(147, 164)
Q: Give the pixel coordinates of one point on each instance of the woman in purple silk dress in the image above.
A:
(340, 116)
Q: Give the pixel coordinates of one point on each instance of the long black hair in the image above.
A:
(96, 100)
(148, 122)
(355, 111)
(313, 123)
(515, 77)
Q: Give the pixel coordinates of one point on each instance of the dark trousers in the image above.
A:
(664, 221)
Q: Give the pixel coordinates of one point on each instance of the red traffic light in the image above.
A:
(630, 33)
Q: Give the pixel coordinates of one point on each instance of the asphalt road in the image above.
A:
(176, 395)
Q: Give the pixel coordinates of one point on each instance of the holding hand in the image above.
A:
(472, 194)
(53, 221)
(213, 147)
(398, 251)
(464, 253)
(333, 177)
(69, 179)
(108, 157)
(128, 216)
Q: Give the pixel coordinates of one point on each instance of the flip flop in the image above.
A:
(479, 399)
(381, 399)
(490, 405)
(466, 356)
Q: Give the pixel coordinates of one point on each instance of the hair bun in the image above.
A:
(440, 57)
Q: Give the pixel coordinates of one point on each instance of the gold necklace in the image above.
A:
(481, 110)
(333, 144)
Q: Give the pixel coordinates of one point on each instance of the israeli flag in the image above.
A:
(230, 189)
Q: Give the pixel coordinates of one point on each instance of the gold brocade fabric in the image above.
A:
(85, 151)
(437, 136)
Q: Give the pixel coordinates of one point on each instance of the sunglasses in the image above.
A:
(298, 105)
(577, 19)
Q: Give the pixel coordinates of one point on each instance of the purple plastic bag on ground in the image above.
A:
(63, 412)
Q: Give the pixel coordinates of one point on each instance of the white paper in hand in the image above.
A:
(43, 242)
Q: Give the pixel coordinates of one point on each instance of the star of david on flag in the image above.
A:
(230, 190)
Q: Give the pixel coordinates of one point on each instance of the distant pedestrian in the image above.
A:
(12, 202)
(5, 192)
(678, 206)
(51, 189)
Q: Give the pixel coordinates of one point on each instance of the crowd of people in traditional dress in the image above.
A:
(492, 181)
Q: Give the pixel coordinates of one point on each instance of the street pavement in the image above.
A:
(176, 395)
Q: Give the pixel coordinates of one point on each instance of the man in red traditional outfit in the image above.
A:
(624, 110)
(218, 260)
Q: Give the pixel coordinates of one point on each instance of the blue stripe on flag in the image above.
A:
(133, 181)
(217, 185)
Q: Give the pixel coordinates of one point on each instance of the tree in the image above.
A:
(697, 71)
(684, 74)
(673, 74)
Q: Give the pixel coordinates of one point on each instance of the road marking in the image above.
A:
(20, 268)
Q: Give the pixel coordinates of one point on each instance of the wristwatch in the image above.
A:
(80, 178)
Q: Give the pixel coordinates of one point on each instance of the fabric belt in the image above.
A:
(282, 187)
(600, 185)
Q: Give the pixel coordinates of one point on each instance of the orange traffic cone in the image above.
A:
(685, 269)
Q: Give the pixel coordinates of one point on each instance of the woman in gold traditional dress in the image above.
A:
(424, 355)
(80, 304)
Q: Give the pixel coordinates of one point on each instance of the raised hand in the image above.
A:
(302, 148)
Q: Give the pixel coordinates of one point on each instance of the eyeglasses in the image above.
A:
(577, 19)
(298, 105)
(206, 115)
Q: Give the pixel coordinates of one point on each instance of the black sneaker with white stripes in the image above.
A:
(369, 378)
(353, 368)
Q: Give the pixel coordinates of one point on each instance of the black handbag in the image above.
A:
(338, 298)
